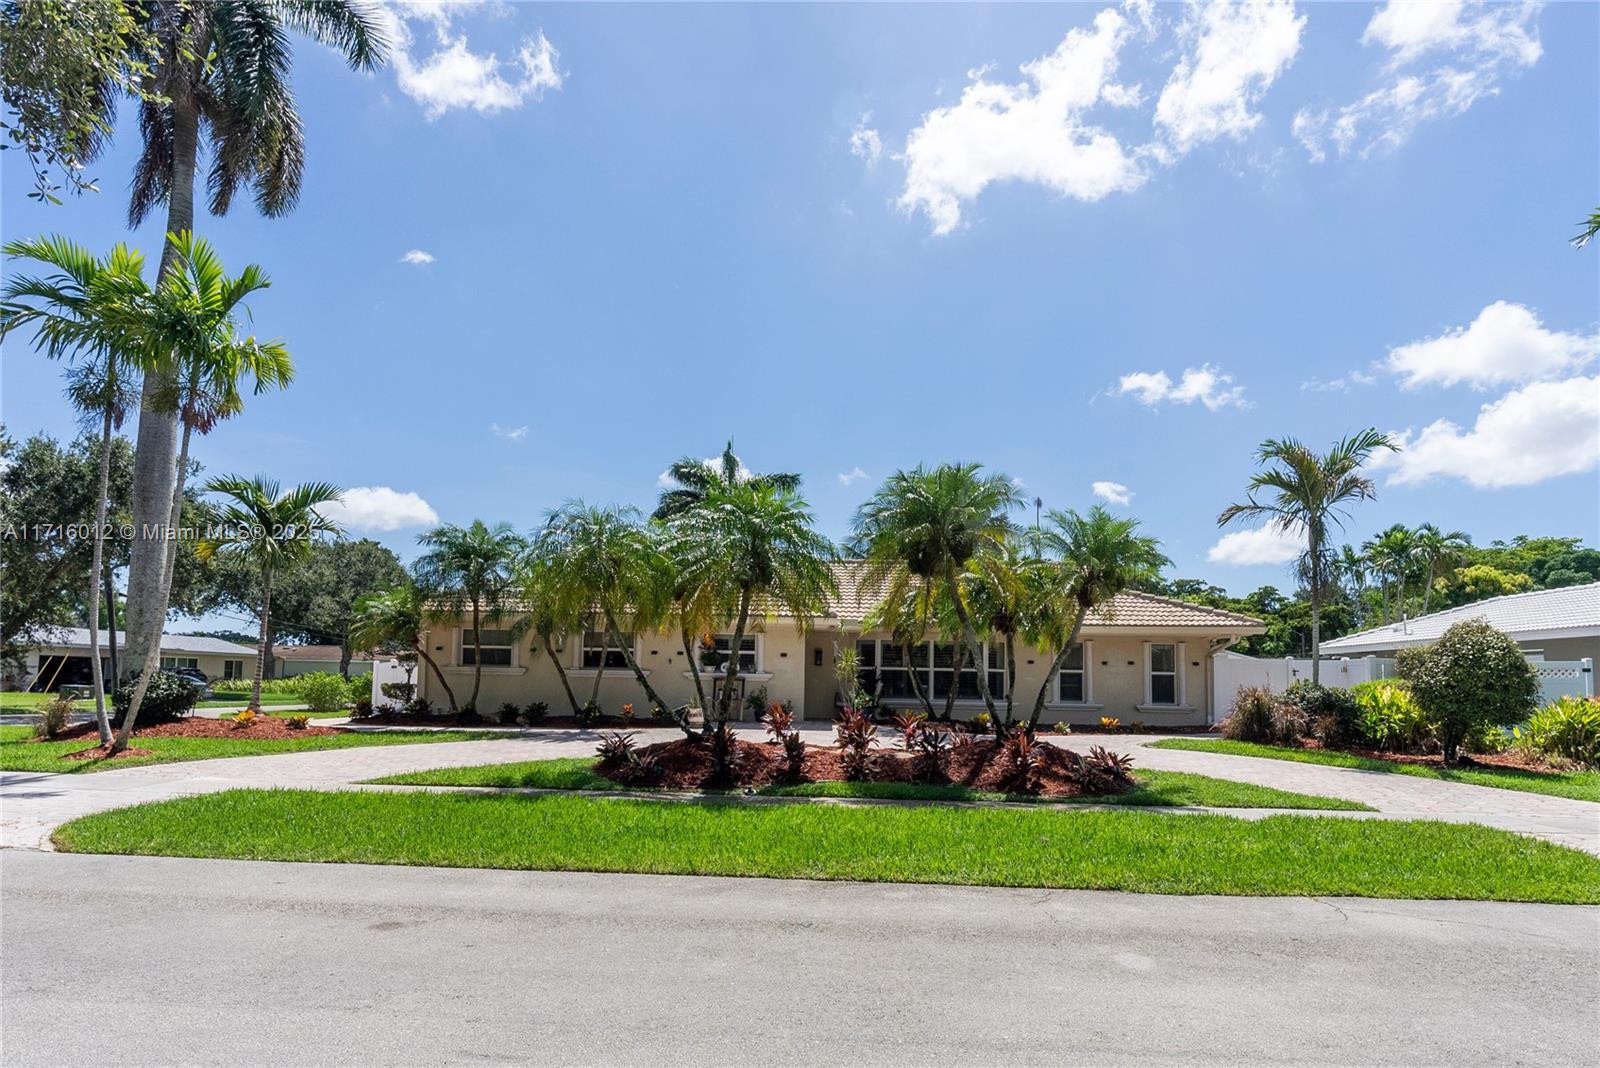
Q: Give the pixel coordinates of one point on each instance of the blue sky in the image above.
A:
(858, 238)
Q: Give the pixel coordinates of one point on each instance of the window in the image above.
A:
(1072, 685)
(719, 655)
(168, 663)
(886, 673)
(496, 648)
(233, 669)
(598, 651)
(1163, 674)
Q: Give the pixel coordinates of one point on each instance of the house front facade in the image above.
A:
(62, 659)
(1141, 658)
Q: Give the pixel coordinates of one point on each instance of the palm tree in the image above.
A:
(1589, 227)
(697, 478)
(1392, 555)
(469, 570)
(547, 614)
(909, 608)
(270, 528)
(1309, 493)
(1084, 561)
(752, 545)
(220, 69)
(86, 309)
(997, 579)
(396, 616)
(1438, 552)
(602, 559)
(932, 523)
(1350, 566)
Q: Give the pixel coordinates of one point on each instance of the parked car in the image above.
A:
(196, 678)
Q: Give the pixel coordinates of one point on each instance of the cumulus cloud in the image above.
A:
(1205, 384)
(1113, 493)
(438, 69)
(855, 474)
(417, 257)
(865, 142)
(1232, 53)
(1031, 131)
(1538, 432)
(509, 433)
(1340, 384)
(1444, 57)
(1504, 345)
(1270, 544)
(380, 508)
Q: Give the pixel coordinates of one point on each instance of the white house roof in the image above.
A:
(1568, 612)
(78, 637)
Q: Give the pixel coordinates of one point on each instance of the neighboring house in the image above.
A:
(1141, 657)
(290, 660)
(62, 658)
(1559, 624)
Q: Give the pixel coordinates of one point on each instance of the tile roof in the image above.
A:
(314, 652)
(170, 643)
(1570, 611)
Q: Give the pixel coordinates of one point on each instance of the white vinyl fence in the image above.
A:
(1564, 678)
(386, 670)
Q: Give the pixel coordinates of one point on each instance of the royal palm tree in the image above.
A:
(1351, 567)
(88, 310)
(220, 70)
(1084, 562)
(398, 617)
(1309, 493)
(1438, 552)
(1392, 555)
(932, 523)
(752, 546)
(469, 571)
(697, 478)
(604, 560)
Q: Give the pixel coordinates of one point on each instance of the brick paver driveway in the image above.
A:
(32, 804)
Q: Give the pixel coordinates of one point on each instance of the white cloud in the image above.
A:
(1205, 384)
(1443, 58)
(1233, 52)
(1341, 384)
(1113, 493)
(509, 433)
(1504, 345)
(1266, 545)
(1531, 434)
(443, 73)
(417, 257)
(380, 508)
(1032, 131)
(855, 474)
(865, 142)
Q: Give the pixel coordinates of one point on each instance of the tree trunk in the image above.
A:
(916, 683)
(344, 659)
(1427, 591)
(731, 676)
(550, 651)
(970, 633)
(1316, 629)
(955, 683)
(111, 619)
(694, 668)
(448, 693)
(1056, 665)
(102, 488)
(627, 654)
(477, 657)
(154, 469)
(1011, 678)
(266, 639)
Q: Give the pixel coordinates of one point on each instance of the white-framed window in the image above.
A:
(496, 645)
(885, 671)
(717, 656)
(168, 663)
(1072, 684)
(1161, 661)
(233, 669)
(598, 650)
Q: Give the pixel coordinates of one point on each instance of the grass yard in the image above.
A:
(19, 754)
(16, 701)
(1155, 787)
(1579, 785)
(1050, 846)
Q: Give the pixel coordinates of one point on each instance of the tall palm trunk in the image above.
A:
(731, 676)
(1060, 661)
(694, 668)
(970, 633)
(1316, 613)
(549, 650)
(266, 639)
(449, 694)
(627, 654)
(1427, 591)
(955, 683)
(916, 683)
(111, 618)
(102, 490)
(1011, 676)
(477, 656)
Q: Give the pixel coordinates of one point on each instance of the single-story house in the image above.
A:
(1141, 657)
(1559, 624)
(290, 660)
(62, 658)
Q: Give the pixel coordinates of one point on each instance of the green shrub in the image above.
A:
(168, 697)
(398, 692)
(534, 712)
(1250, 718)
(359, 686)
(324, 691)
(589, 715)
(1474, 676)
(1318, 702)
(1387, 718)
(55, 716)
(362, 707)
(1567, 730)
(509, 712)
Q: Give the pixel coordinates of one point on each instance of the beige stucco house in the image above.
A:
(1141, 657)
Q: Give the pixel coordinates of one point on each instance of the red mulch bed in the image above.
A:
(686, 765)
(266, 727)
(1510, 760)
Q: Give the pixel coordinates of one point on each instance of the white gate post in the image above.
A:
(1588, 676)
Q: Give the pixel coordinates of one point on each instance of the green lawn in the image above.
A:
(1580, 785)
(16, 701)
(18, 754)
(1155, 787)
(1137, 850)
